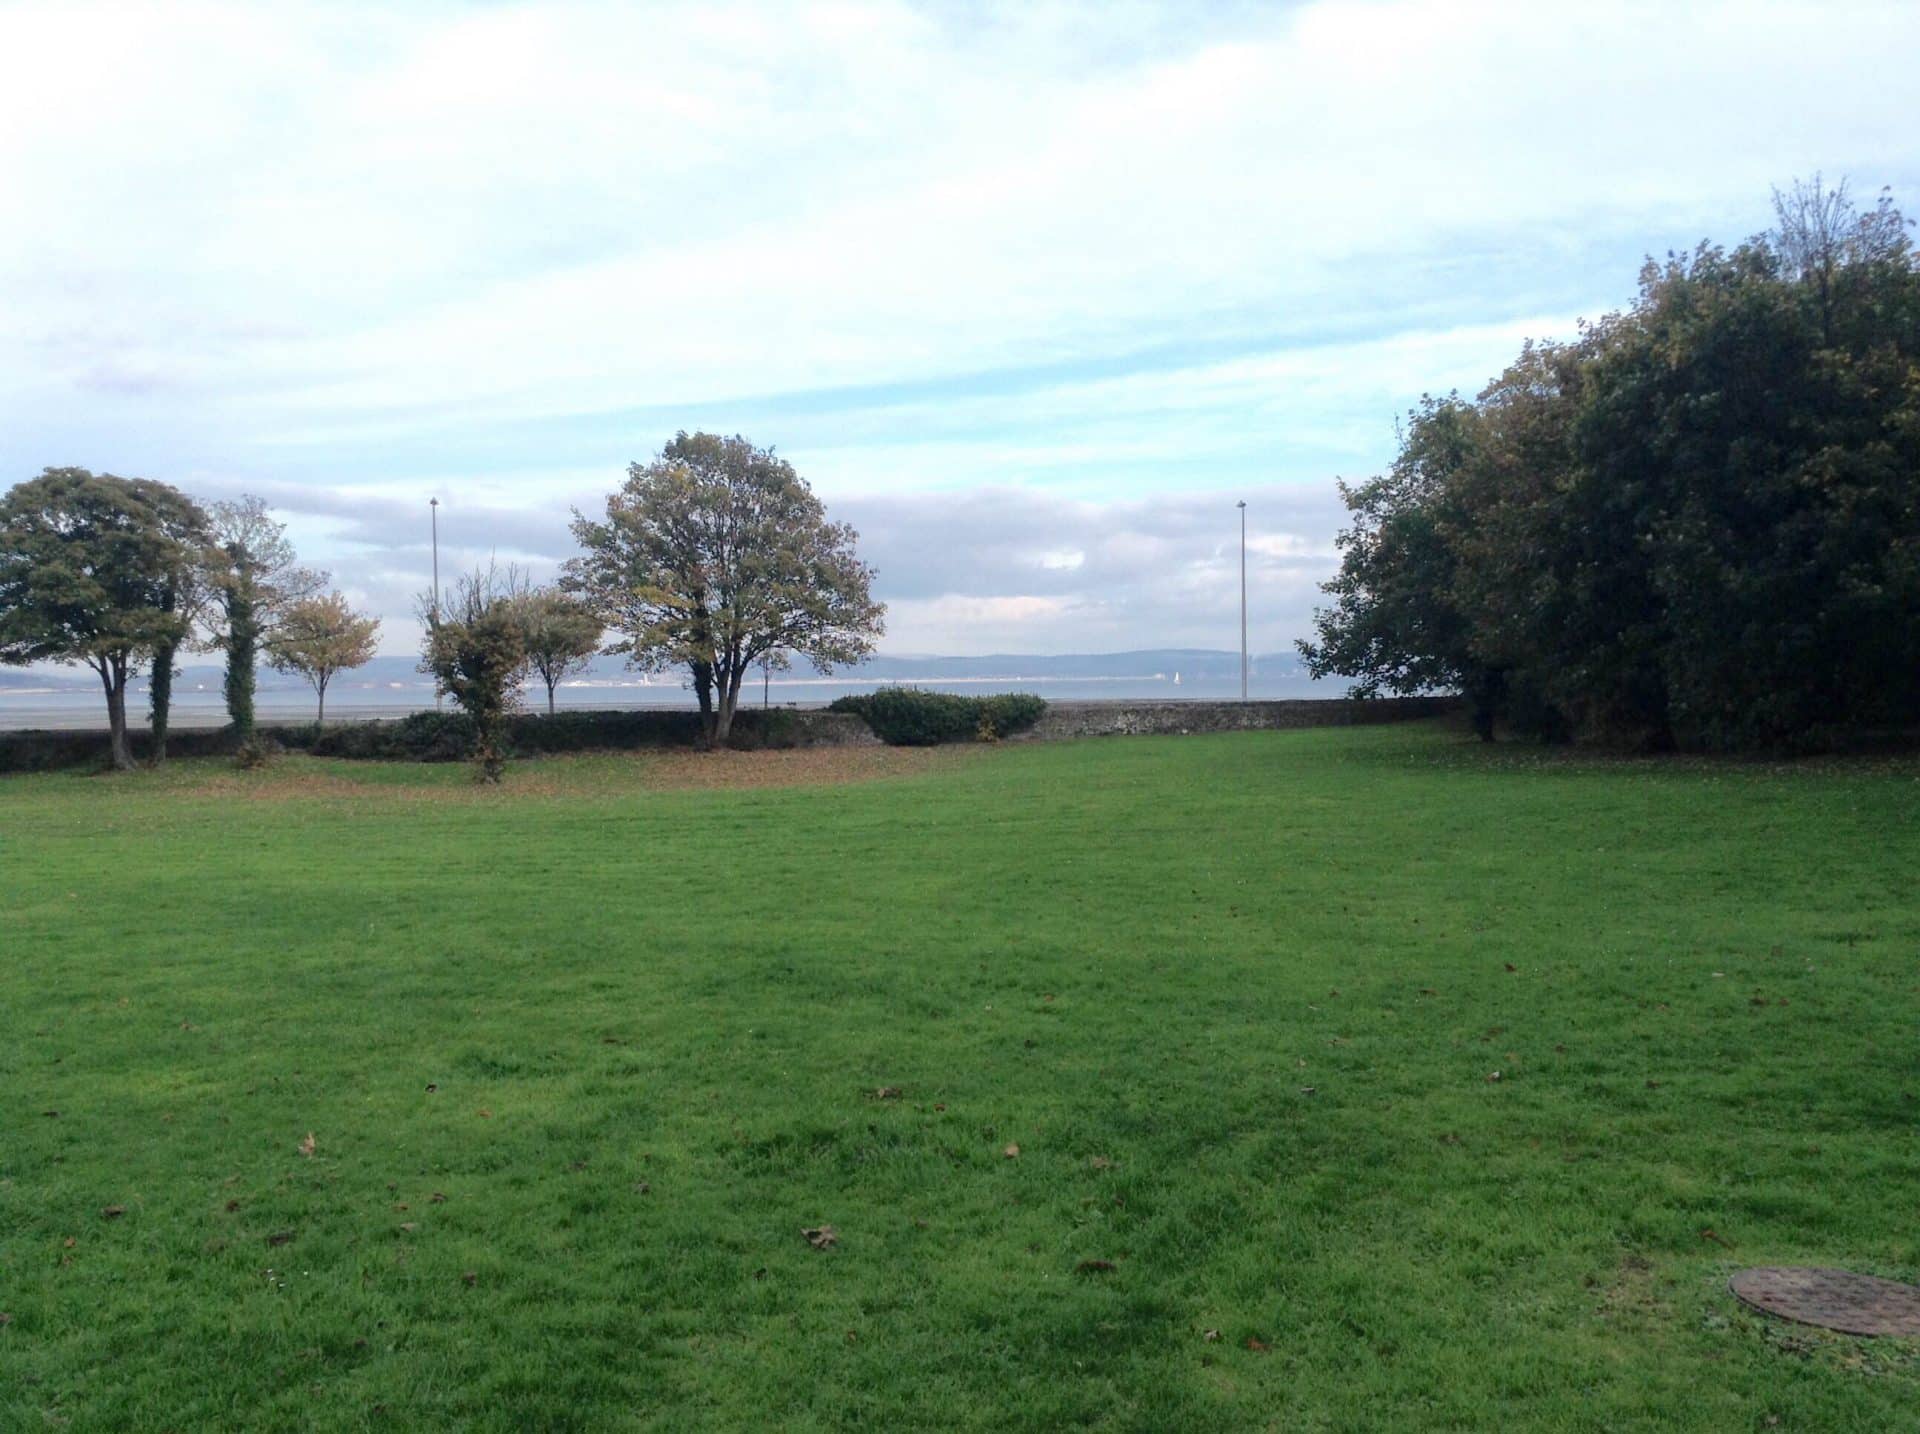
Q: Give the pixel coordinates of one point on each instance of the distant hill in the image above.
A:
(399, 673)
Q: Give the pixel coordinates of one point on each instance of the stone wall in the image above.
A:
(1133, 719)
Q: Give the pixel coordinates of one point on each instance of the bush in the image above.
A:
(910, 717)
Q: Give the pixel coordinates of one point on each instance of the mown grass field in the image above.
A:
(582, 1057)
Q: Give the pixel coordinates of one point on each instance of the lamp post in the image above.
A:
(1243, 599)
(433, 507)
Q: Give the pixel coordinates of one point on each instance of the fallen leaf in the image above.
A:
(5, 1318)
(1095, 1267)
(1100, 1162)
(1309, 1090)
(1653, 1085)
(112, 1212)
(280, 1237)
(51, 1114)
(640, 1187)
(486, 1115)
(399, 1204)
(431, 1087)
(409, 1226)
(1493, 1075)
(1258, 1346)
(1012, 1152)
(469, 1277)
(887, 1092)
(436, 1198)
(1211, 1336)
(940, 1105)
(69, 1243)
(1512, 967)
(821, 1237)
(306, 1146)
(1711, 1234)
(1428, 991)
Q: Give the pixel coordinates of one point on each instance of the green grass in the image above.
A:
(1236, 999)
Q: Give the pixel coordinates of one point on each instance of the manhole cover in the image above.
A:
(1833, 1299)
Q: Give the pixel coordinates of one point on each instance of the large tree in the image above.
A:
(91, 571)
(319, 638)
(562, 635)
(1697, 525)
(716, 554)
(254, 579)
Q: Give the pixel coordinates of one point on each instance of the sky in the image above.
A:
(1031, 294)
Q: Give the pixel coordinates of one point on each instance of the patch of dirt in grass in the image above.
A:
(294, 780)
(800, 767)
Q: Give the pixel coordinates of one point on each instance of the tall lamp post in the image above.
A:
(433, 506)
(1243, 599)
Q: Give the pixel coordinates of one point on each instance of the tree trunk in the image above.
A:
(160, 694)
(729, 702)
(320, 686)
(113, 677)
(550, 697)
(703, 693)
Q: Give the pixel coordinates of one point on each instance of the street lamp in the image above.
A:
(1243, 599)
(433, 506)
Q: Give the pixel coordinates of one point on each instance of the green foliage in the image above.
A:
(1236, 999)
(96, 569)
(910, 717)
(253, 581)
(718, 556)
(476, 652)
(1697, 525)
(562, 635)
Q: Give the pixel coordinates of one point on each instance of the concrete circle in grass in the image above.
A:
(1832, 1299)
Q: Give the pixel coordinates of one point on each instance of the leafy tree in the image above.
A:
(91, 571)
(476, 651)
(716, 554)
(254, 580)
(320, 637)
(1698, 525)
(183, 596)
(562, 635)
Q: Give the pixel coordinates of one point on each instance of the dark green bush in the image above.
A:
(910, 717)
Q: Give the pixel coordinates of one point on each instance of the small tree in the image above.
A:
(87, 563)
(320, 637)
(716, 554)
(476, 652)
(254, 581)
(562, 635)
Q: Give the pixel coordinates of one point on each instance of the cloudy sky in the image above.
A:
(1031, 294)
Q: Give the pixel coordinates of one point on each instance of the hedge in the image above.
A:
(910, 717)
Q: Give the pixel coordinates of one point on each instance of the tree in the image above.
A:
(715, 554)
(476, 651)
(183, 595)
(319, 638)
(254, 580)
(562, 635)
(1696, 526)
(89, 572)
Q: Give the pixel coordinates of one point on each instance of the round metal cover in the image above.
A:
(1833, 1299)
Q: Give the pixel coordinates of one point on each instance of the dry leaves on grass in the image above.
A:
(306, 1146)
(112, 1212)
(1012, 1152)
(821, 1237)
(1095, 1267)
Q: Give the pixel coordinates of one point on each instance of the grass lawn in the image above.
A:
(582, 1057)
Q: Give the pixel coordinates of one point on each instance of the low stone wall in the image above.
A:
(1134, 719)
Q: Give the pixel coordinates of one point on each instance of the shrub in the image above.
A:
(910, 717)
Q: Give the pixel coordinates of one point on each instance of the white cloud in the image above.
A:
(357, 254)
